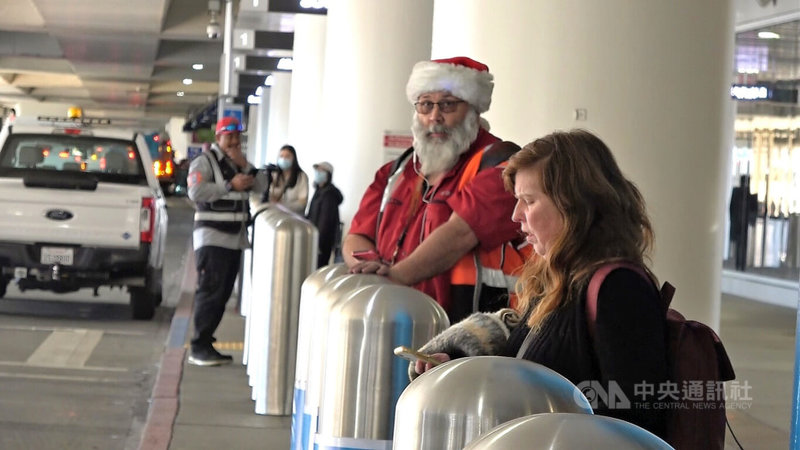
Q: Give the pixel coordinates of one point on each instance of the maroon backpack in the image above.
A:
(695, 354)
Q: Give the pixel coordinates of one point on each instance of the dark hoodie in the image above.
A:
(323, 212)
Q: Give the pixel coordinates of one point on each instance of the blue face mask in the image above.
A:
(284, 164)
(320, 176)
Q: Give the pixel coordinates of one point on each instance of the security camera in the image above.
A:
(213, 30)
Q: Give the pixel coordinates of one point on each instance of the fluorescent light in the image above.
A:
(253, 100)
(259, 91)
(179, 93)
(314, 4)
(187, 81)
(285, 63)
(269, 80)
(197, 66)
(279, 53)
(768, 35)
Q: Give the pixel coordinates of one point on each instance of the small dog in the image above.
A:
(480, 334)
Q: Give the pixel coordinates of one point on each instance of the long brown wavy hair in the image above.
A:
(604, 216)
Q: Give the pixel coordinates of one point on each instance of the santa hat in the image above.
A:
(463, 77)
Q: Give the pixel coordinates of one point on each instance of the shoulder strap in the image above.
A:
(394, 174)
(497, 153)
(594, 289)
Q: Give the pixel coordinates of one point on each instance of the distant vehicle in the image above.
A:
(80, 207)
(164, 167)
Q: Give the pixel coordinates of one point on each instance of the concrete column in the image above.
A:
(278, 129)
(261, 128)
(652, 80)
(371, 47)
(306, 92)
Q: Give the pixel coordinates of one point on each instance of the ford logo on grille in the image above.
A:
(58, 214)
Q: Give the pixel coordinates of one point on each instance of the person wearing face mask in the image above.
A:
(289, 184)
(323, 211)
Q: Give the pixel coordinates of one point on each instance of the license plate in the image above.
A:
(57, 255)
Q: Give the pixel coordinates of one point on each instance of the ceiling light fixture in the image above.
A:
(197, 66)
(269, 80)
(259, 91)
(768, 35)
(187, 81)
(313, 4)
(179, 93)
(253, 100)
(285, 63)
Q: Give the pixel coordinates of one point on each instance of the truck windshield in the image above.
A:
(63, 153)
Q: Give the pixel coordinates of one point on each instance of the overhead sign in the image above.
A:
(763, 92)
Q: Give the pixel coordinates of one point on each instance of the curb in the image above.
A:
(164, 401)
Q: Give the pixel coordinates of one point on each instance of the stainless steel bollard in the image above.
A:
(246, 275)
(567, 430)
(308, 306)
(454, 403)
(326, 298)
(362, 377)
(284, 254)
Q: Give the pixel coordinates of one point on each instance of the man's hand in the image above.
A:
(376, 267)
(242, 182)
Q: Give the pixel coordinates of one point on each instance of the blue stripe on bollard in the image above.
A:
(403, 333)
(298, 427)
(794, 442)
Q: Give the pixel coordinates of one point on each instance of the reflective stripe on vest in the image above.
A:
(228, 213)
(217, 216)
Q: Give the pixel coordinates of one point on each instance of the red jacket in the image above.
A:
(482, 203)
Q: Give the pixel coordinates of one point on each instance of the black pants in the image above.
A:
(216, 273)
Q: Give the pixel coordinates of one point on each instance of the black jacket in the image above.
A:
(323, 212)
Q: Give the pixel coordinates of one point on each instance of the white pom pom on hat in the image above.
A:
(463, 77)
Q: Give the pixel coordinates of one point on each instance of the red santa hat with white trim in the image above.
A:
(463, 77)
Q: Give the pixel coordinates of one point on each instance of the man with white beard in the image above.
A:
(439, 218)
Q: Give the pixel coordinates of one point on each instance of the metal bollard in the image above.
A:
(363, 379)
(284, 254)
(455, 402)
(568, 430)
(308, 305)
(326, 298)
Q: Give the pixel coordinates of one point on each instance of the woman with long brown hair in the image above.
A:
(579, 212)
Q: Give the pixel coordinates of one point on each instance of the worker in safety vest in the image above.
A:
(438, 218)
(220, 181)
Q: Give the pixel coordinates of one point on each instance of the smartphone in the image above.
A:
(413, 355)
(366, 255)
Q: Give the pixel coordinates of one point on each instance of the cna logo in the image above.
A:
(598, 395)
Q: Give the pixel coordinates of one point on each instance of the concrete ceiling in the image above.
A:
(128, 58)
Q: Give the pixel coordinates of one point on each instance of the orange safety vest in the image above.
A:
(498, 267)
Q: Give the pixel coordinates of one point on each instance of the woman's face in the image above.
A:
(540, 220)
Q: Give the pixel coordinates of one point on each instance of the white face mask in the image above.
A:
(284, 164)
(320, 177)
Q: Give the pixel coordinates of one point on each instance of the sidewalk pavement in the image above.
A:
(196, 408)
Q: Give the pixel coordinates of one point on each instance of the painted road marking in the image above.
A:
(65, 349)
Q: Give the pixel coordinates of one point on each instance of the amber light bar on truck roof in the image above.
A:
(80, 121)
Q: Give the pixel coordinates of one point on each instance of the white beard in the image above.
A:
(437, 155)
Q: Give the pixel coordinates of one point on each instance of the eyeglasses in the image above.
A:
(445, 106)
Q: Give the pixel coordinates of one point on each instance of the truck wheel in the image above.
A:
(143, 306)
(144, 299)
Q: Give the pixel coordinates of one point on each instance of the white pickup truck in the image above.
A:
(80, 207)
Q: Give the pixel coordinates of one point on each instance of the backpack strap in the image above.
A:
(594, 289)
